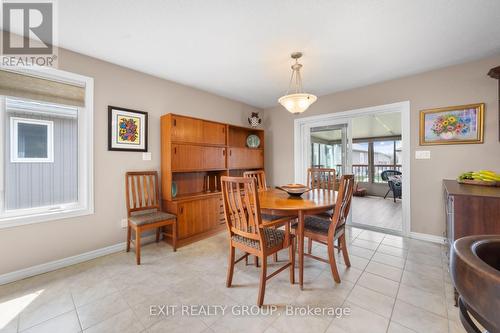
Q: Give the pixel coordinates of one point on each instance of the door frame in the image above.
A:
(302, 142)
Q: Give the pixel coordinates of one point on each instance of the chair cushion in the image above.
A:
(273, 237)
(149, 218)
(320, 225)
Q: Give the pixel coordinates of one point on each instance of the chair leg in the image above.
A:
(275, 257)
(138, 246)
(333, 263)
(256, 261)
(174, 236)
(385, 196)
(343, 244)
(129, 236)
(262, 285)
(230, 267)
(338, 245)
(246, 261)
(158, 234)
(309, 245)
(291, 254)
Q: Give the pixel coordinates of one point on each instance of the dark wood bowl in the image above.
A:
(475, 271)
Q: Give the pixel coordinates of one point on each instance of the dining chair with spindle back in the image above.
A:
(324, 179)
(260, 179)
(144, 210)
(328, 231)
(247, 232)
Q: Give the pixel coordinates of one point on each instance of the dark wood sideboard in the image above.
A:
(471, 210)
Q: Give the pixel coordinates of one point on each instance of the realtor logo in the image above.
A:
(28, 34)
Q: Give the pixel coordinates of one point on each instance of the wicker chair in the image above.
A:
(394, 187)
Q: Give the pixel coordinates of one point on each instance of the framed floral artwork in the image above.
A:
(452, 125)
(127, 129)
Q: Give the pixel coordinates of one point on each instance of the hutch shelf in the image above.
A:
(195, 153)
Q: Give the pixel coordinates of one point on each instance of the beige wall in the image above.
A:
(35, 244)
(462, 84)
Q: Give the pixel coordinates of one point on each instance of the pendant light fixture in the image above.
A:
(297, 101)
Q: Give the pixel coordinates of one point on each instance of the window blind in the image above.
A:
(35, 88)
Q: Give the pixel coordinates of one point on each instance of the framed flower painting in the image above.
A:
(452, 125)
(127, 129)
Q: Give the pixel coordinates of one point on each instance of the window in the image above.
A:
(46, 169)
(32, 140)
(372, 157)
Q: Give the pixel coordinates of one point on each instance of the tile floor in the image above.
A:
(394, 285)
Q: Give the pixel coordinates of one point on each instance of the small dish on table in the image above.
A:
(294, 190)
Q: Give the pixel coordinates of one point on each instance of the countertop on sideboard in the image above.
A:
(455, 188)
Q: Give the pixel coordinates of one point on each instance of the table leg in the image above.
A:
(300, 239)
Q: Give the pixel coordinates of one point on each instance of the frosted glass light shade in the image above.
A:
(297, 103)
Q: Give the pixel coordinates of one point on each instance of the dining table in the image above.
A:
(277, 202)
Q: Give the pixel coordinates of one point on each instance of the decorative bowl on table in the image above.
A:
(294, 190)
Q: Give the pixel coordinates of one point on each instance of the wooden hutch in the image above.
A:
(195, 153)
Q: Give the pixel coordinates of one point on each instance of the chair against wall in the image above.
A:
(328, 231)
(144, 210)
(247, 232)
(260, 179)
(394, 186)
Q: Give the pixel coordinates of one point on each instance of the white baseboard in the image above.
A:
(428, 237)
(65, 262)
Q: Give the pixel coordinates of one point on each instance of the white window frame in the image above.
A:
(14, 140)
(85, 202)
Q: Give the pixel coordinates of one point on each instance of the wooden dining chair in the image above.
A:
(260, 179)
(248, 234)
(327, 231)
(321, 178)
(144, 210)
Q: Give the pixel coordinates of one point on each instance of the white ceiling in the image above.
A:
(386, 124)
(240, 48)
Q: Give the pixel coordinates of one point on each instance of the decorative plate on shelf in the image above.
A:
(253, 141)
(174, 189)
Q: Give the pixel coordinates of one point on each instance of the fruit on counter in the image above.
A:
(483, 175)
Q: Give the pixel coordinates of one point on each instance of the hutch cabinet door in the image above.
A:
(187, 130)
(244, 158)
(192, 158)
(198, 216)
(214, 133)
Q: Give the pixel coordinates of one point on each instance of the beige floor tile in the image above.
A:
(101, 309)
(82, 296)
(350, 274)
(356, 261)
(359, 251)
(178, 325)
(425, 259)
(300, 324)
(359, 321)
(383, 270)
(8, 324)
(393, 251)
(371, 301)
(387, 259)
(431, 302)
(424, 282)
(143, 310)
(33, 316)
(417, 319)
(371, 236)
(379, 284)
(65, 323)
(123, 322)
(430, 271)
(397, 328)
(365, 244)
(396, 241)
(238, 322)
(456, 327)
